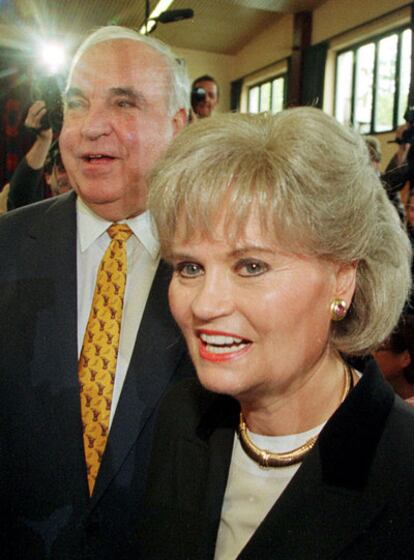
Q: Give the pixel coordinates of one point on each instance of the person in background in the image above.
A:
(374, 151)
(27, 183)
(395, 358)
(204, 96)
(89, 345)
(4, 193)
(404, 136)
(409, 212)
(287, 255)
(398, 177)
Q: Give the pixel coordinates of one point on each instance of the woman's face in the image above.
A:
(256, 318)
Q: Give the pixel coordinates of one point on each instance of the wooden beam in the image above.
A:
(302, 33)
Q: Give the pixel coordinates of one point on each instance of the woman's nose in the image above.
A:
(213, 298)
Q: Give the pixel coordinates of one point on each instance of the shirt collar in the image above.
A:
(91, 227)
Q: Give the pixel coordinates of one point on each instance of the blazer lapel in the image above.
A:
(56, 381)
(338, 490)
(157, 352)
(209, 455)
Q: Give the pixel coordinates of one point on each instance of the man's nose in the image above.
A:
(97, 123)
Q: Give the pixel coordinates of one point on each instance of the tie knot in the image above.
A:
(120, 231)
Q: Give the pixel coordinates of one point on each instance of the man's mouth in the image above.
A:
(97, 158)
(221, 346)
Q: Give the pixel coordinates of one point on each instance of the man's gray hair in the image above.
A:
(178, 96)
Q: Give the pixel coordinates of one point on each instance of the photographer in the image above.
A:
(40, 173)
(403, 138)
(400, 169)
(204, 96)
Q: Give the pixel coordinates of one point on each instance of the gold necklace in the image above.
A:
(266, 458)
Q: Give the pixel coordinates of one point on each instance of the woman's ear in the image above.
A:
(346, 281)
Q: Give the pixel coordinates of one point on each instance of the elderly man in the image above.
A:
(88, 346)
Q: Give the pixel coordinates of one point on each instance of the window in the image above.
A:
(372, 82)
(267, 96)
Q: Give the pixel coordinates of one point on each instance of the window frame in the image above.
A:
(270, 80)
(354, 48)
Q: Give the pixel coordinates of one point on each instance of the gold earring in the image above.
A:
(338, 309)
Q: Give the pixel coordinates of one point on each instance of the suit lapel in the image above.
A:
(58, 259)
(313, 519)
(338, 490)
(54, 249)
(200, 496)
(157, 351)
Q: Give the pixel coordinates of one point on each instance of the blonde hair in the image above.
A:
(315, 191)
(374, 148)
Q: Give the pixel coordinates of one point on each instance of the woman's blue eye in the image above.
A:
(251, 267)
(188, 270)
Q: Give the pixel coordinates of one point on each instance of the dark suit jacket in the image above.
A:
(352, 497)
(44, 505)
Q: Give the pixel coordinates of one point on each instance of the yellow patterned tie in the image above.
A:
(97, 362)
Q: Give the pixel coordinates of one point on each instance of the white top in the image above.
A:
(142, 258)
(252, 490)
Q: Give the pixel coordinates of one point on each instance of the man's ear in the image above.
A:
(405, 359)
(179, 121)
(346, 281)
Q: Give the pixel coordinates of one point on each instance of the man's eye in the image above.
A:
(75, 103)
(188, 269)
(250, 267)
(125, 103)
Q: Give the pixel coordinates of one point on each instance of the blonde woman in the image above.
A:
(287, 256)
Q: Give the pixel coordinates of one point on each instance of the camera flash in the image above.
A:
(53, 56)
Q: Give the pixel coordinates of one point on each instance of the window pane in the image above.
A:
(265, 97)
(387, 60)
(363, 87)
(278, 89)
(254, 100)
(405, 74)
(343, 94)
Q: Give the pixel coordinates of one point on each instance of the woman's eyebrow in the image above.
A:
(242, 250)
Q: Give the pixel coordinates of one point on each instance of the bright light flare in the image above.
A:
(162, 6)
(52, 57)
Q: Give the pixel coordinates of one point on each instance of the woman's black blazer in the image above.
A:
(352, 498)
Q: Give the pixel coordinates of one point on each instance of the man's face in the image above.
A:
(116, 125)
(207, 106)
(58, 180)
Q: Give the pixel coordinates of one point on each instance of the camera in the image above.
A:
(47, 88)
(198, 95)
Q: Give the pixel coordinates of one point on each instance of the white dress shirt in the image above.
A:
(142, 258)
